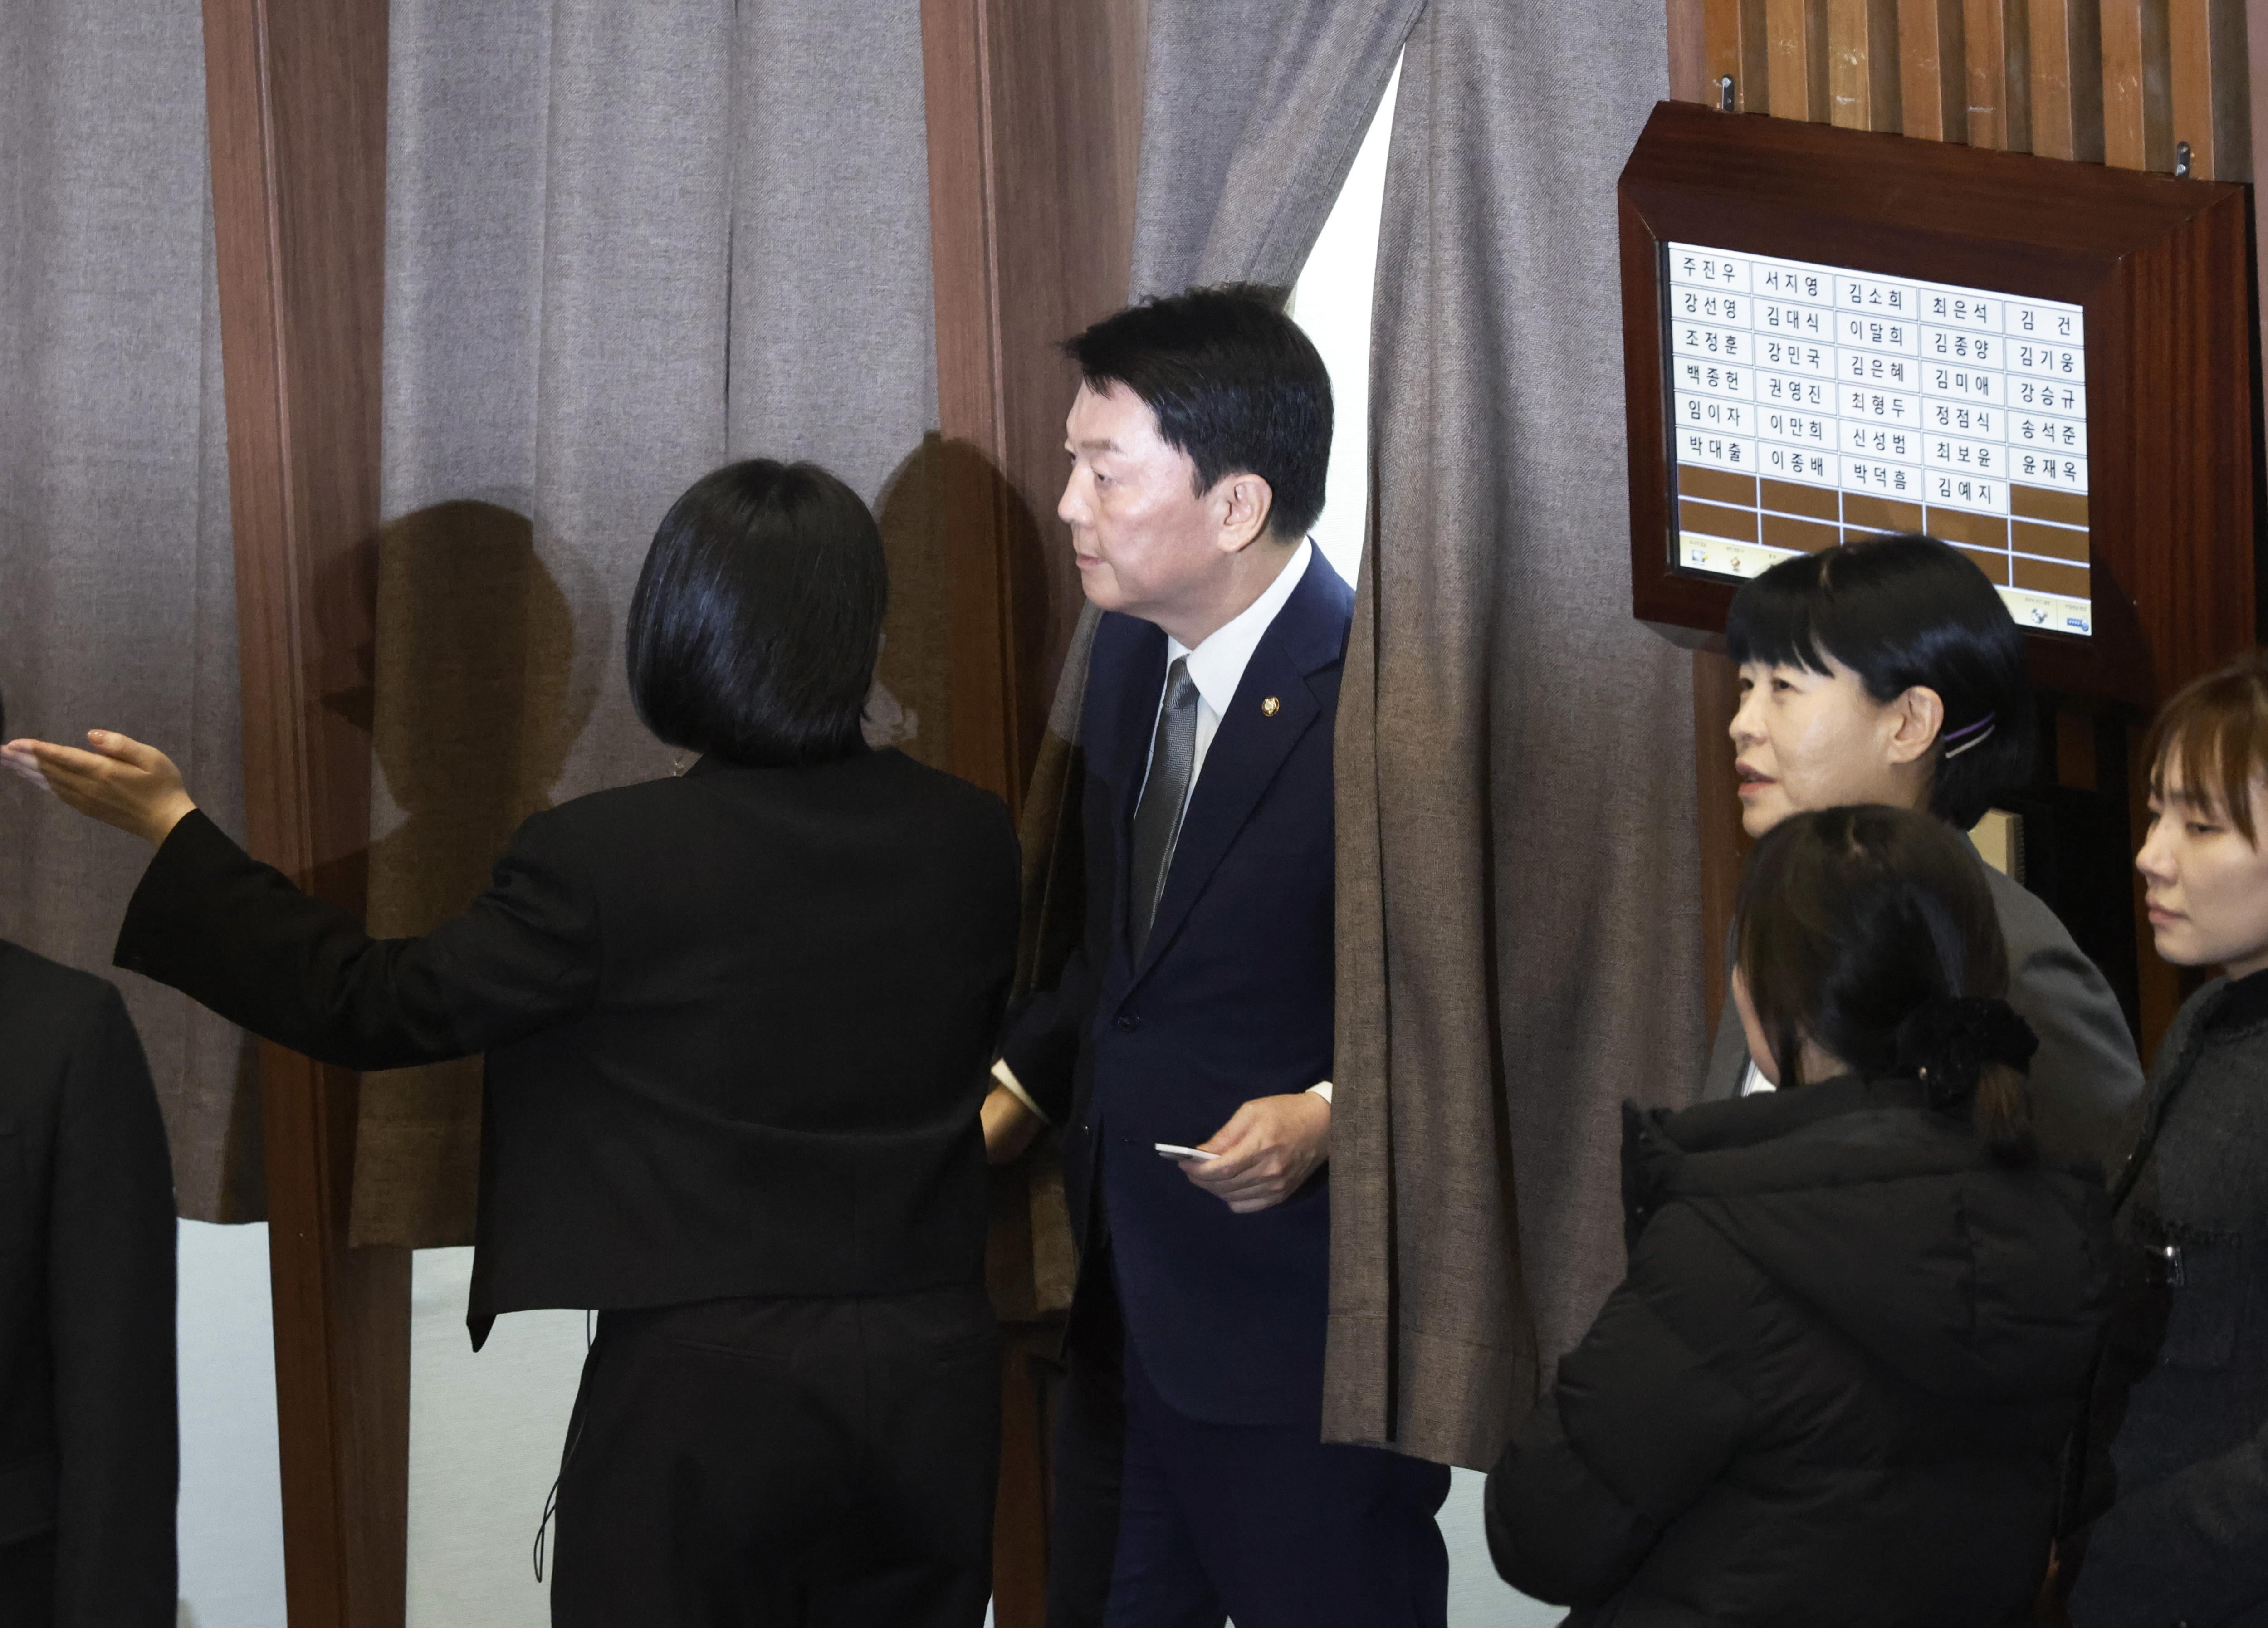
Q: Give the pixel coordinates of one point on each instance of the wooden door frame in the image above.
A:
(295, 116)
(1034, 114)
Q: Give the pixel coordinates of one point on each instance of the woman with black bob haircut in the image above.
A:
(1837, 1383)
(737, 1026)
(1889, 671)
(756, 621)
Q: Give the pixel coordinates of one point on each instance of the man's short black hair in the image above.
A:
(758, 616)
(1235, 384)
(1902, 611)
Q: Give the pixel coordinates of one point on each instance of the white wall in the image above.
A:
(231, 1506)
(1332, 302)
(485, 1434)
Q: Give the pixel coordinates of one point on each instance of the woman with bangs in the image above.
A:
(2180, 1429)
(1889, 671)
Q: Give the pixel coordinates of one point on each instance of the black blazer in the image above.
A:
(89, 1454)
(1231, 1000)
(736, 1025)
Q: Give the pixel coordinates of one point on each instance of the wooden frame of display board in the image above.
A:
(2163, 538)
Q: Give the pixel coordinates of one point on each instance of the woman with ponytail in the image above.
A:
(1839, 1378)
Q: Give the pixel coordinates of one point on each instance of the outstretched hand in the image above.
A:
(121, 782)
(1266, 1153)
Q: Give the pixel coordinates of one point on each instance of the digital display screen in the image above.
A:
(1811, 404)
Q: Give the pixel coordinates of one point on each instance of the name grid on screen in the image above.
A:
(1812, 404)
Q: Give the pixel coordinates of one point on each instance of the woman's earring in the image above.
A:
(679, 764)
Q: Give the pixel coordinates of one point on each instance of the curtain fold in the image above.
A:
(117, 582)
(1252, 115)
(623, 244)
(1510, 743)
(1251, 118)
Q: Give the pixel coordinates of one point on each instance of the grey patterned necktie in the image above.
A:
(1165, 793)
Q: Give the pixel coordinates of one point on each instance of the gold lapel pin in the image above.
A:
(1270, 707)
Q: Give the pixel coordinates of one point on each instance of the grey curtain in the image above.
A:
(117, 596)
(1252, 115)
(1519, 922)
(623, 244)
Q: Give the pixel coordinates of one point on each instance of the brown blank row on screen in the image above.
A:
(2043, 550)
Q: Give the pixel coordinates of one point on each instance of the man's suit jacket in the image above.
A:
(1231, 1000)
(89, 1453)
(2085, 1077)
(737, 1025)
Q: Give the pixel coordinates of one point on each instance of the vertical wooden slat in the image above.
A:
(1690, 80)
(1796, 72)
(2256, 55)
(1862, 64)
(2138, 131)
(2256, 46)
(1031, 229)
(1997, 35)
(1035, 118)
(1933, 71)
(2210, 94)
(295, 112)
(1736, 41)
(2066, 80)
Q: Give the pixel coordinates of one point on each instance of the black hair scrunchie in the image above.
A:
(1945, 1044)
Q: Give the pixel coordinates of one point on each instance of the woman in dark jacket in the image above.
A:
(2180, 1430)
(737, 1026)
(1836, 1384)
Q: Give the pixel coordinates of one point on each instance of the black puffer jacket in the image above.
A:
(1835, 1386)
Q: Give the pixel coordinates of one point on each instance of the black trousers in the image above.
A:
(1165, 1521)
(27, 1582)
(808, 1463)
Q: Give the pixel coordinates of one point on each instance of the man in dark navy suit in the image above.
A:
(89, 1454)
(1192, 1484)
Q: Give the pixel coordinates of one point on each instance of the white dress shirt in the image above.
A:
(1215, 667)
(1217, 664)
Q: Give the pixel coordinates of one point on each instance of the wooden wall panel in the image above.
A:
(1933, 71)
(1996, 35)
(1795, 71)
(2066, 80)
(2210, 89)
(2256, 35)
(2115, 81)
(296, 106)
(2138, 132)
(1735, 42)
(1034, 122)
(1690, 80)
(1862, 64)
(1034, 114)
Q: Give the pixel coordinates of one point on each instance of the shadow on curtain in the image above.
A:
(608, 231)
